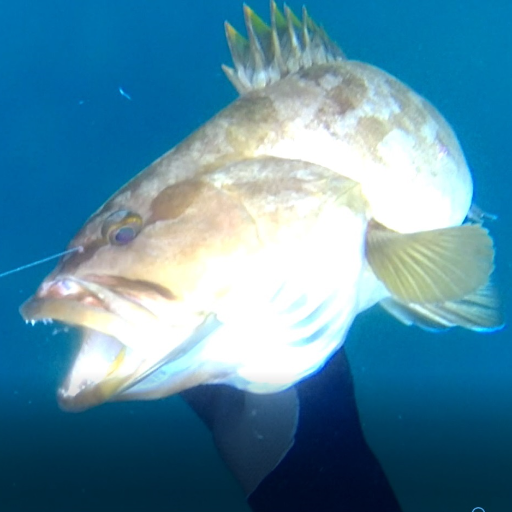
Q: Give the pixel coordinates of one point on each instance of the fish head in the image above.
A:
(145, 278)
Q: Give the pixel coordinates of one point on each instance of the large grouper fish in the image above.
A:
(243, 255)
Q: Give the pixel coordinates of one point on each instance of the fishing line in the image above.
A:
(44, 260)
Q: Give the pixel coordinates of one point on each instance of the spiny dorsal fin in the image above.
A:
(273, 52)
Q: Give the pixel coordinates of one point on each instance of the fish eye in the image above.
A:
(121, 227)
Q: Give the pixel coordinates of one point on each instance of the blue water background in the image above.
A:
(436, 409)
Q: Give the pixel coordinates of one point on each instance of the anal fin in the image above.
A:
(478, 311)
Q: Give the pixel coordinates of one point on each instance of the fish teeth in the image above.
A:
(45, 321)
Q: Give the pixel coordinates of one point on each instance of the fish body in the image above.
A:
(243, 255)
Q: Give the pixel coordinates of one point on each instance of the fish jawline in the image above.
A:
(106, 330)
(105, 341)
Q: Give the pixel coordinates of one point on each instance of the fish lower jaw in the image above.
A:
(65, 394)
(100, 365)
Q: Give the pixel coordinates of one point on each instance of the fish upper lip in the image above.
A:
(94, 291)
(86, 303)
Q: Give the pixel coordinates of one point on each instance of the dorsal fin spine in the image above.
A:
(255, 25)
(306, 40)
(294, 42)
(277, 23)
(271, 53)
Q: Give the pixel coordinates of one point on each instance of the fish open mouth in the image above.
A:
(126, 333)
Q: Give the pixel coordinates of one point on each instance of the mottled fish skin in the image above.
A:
(271, 198)
(346, 116)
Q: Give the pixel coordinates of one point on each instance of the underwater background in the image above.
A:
(436, 408)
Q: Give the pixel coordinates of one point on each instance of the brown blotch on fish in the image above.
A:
(174, 200)
(345, 89)
(320, 75)
(73, 261)
(371, 131)
(249, 121)
(340, 100)
(412, 114)
(353, 87)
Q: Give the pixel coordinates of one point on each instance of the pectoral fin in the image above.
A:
(431, 267)
(254, 439)
(252, 432)
(478, 311)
